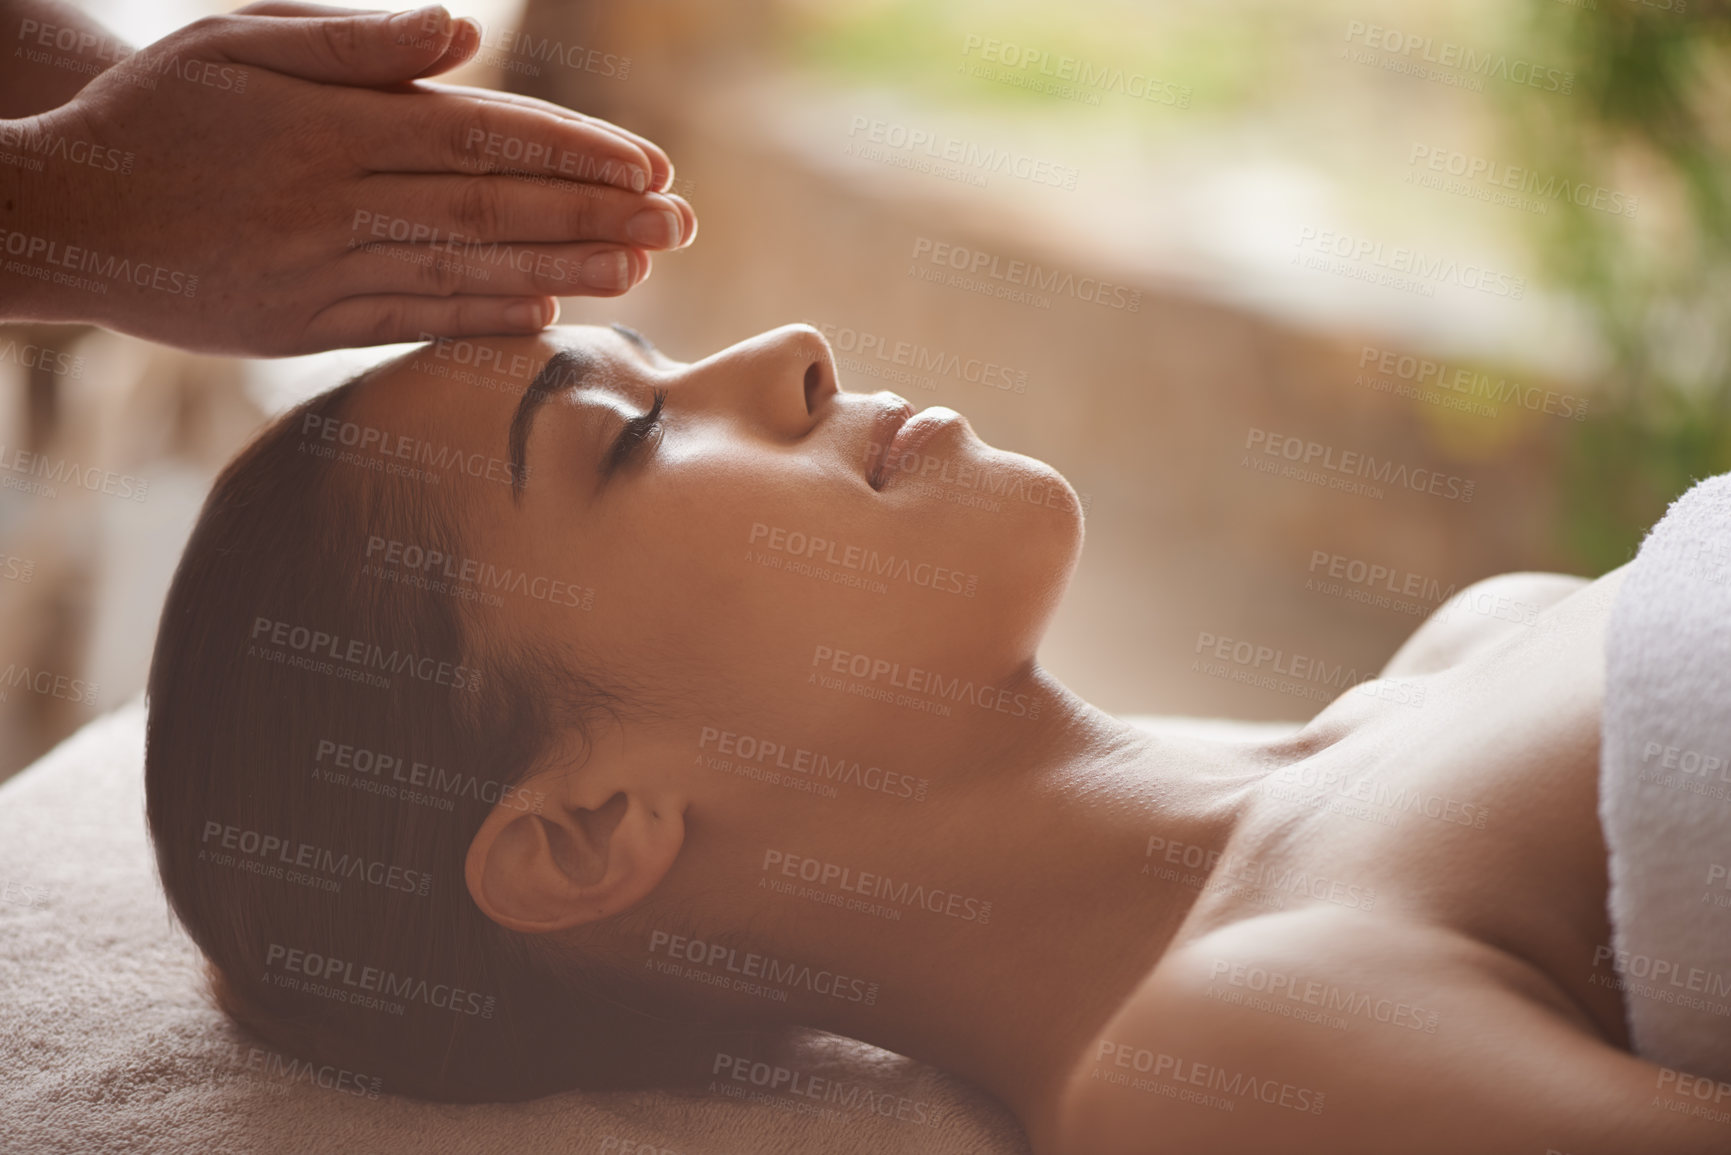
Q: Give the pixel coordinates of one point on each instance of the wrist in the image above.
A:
(55, 50)
(38, 206)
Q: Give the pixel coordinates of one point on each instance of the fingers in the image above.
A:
(660, 178)
(465, 39)
(583, 270)
(389, 318)
(366, 49)
(465, 42)
(437, 209)
(431, 131)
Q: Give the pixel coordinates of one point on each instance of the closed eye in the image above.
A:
(637, 433)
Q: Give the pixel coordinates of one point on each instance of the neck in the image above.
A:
(1051, 823)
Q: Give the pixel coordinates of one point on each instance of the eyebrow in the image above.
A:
(636, 338)
(565, 370)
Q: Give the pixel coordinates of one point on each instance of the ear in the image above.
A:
(570, 846)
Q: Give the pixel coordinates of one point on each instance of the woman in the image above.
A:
(520, 706)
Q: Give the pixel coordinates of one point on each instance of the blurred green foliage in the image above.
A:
(922, 45)
(1651, 110)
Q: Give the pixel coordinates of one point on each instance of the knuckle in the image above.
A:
(459, 135)
(437, 277)
(210, 27)
(477, 209)
(385, 322)
(339, 40)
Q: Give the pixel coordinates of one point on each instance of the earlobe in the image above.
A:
(591, 852)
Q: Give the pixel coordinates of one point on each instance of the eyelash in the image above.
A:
(636, 434)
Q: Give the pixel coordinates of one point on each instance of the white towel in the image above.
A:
(1665, 787)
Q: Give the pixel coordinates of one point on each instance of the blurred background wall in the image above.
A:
(1480, 243)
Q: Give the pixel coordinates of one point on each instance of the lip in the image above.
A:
(911, 437)
(886, 427)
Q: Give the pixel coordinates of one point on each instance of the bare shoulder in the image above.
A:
(1329, 1032)
(1479, 615)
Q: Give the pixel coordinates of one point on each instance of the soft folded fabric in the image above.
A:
(1665, 787)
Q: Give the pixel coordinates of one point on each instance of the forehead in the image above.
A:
(467, 389)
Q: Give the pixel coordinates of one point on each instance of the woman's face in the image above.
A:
(768, 522)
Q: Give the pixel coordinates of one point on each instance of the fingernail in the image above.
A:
(610, 271)
(639, 180)
(656, 228)
(526, 314)
(433, 20)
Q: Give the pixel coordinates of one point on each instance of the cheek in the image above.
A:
(733, 558)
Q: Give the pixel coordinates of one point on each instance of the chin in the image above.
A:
(1012, 525)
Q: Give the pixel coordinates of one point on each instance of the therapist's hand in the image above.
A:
(277, 182)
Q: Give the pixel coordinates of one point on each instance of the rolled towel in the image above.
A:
(1665, 787)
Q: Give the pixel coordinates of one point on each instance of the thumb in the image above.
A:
(365, 49)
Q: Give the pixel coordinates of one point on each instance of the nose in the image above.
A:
(781, 378)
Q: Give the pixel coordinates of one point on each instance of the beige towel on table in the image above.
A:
(107, 1042)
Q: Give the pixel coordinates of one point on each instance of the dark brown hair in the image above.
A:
(276, 637)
